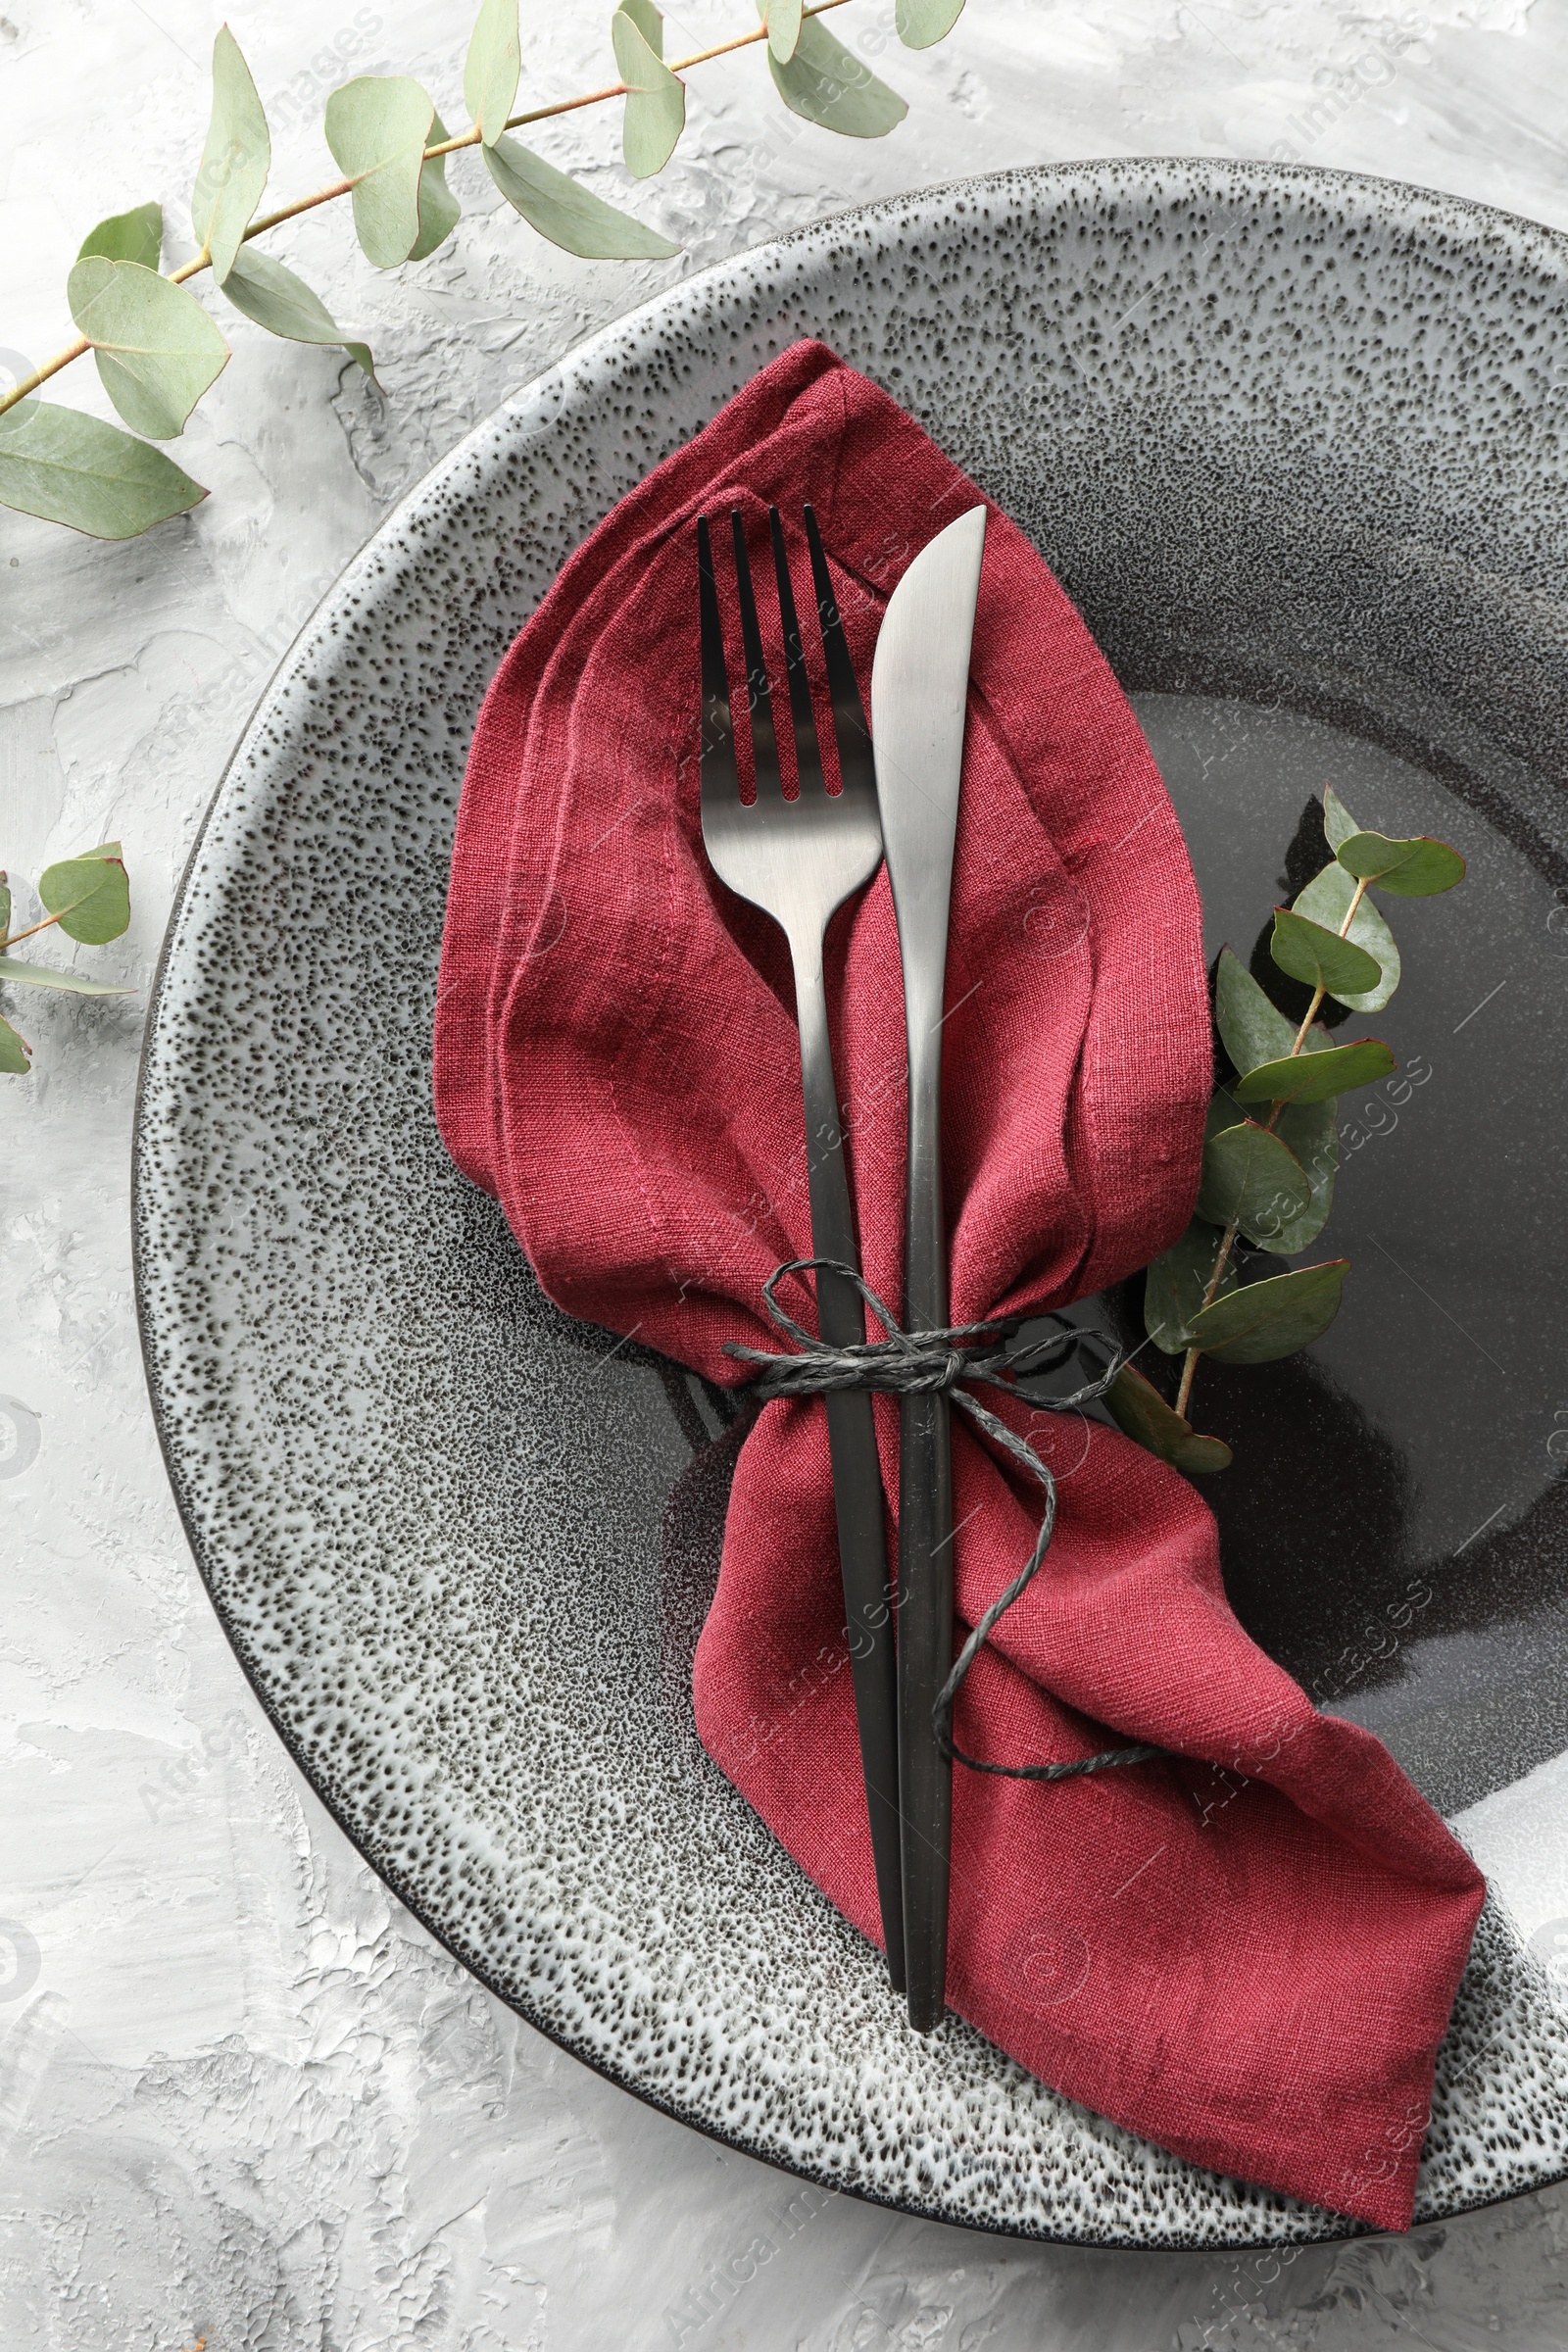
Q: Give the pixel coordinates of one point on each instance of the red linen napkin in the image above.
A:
(1249, 1955)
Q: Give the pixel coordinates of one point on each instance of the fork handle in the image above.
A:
(852, 1444)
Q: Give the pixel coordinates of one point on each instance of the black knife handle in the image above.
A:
(925, 1559)
(925, 1657)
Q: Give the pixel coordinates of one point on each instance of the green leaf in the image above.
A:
(922, 23)
(439, 210)
(1315, 1077)
(655, 101)
(1412, 869)
(1326, 900)
(264, 290)
(783, 21)
(1265, 1320)
(491, 69)
(18, 974)
(378, 127)
(14, 1050)
(562, 210)
(136, 236)
(1309, 952)
(1137, 1407)
(235, 161)
(1175, 1283)
(1311, 1132)
(1338, 822)
(72, 468)
(824, 83)
(157, 350)
(5, 907)
(90, 894)
(1252, 1029)
(1250, 1178)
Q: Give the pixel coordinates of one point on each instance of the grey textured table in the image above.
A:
(242, 2098)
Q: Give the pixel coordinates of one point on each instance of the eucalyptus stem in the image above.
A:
(17, 937)
(1222, 1259)
(344, 187)
(1190, 1365)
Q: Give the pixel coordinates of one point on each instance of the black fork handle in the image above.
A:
(857, 1472)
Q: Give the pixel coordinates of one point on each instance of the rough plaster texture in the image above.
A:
(242, 2098)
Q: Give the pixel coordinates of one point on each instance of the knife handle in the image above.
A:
(925, 1556)
(856, 1471)
(925, 1657)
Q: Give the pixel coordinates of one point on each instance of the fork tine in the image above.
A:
(717, 741)
(807, 751)
(849, 730)
(758, 696)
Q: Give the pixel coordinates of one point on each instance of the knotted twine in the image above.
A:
(915, 1363)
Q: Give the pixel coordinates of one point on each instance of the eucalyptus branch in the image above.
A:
(345, 187)
(157, 350)
(1270, 1182)
(1228, 1241)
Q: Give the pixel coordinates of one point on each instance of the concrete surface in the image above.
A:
(242, 2098)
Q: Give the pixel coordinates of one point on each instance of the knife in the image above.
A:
(919, 688)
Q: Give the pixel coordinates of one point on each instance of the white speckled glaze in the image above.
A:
(462, 1562)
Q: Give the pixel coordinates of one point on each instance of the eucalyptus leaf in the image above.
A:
(71, 468)
(1338, 822)
(1175, 1283)
(1250, 1178)
(1138, 1408)
(783, 21)
(4, 908)
(1316, 1077)
(14, 972)
(656, 100)
(134, 236)
(235, 161)
(824, 83)
(1310, 1130)
(1266, 1320)
(1412, 869)
(1326, 900)
(379, 126)
(90, 894)
(14, 1050)
(439, 210)
(1252, 1029)
(569, 215)
(921, 23)
(492, 68)
(264, 290)
(157, 350)
(1308, 950)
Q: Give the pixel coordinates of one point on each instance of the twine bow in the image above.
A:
(910, 1363)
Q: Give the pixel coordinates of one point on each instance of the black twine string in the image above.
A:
(911, 1363)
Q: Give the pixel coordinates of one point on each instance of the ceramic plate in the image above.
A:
(1292, 442)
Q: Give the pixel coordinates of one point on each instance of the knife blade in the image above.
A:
(919, 691)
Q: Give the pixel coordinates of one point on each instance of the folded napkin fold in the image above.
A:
(1246, 1954)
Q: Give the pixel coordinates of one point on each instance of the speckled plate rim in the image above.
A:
(1471, 222)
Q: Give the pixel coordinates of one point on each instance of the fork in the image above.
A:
(799, 860)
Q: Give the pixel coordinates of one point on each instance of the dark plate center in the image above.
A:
(1393, 1526)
